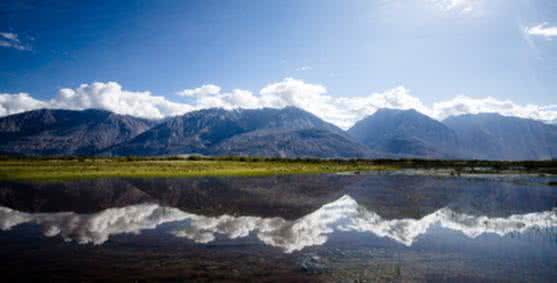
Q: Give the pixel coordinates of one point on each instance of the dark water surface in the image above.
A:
(333, 228)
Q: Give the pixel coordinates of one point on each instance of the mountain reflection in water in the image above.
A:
(303, 228)
(341, 215)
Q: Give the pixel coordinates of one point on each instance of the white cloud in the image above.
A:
(467, 105)
(292, 92)
(345, 111)
(542, 30)
(19, 102)
(11, 40)
(342, 111)
(109, 96)
(209, 96)
(200, 91)
(462, 6)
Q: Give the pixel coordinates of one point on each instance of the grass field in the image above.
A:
(77, 168)
(93, 168)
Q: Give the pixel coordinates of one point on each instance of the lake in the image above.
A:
(385, 227)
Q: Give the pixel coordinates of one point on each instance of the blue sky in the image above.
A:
(434, 50)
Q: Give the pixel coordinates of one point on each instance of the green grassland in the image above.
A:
(94, 168)
(77, 168)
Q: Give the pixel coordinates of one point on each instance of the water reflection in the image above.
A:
(289, 197)
(343, 214)
(94, 228)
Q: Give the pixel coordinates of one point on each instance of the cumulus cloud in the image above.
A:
(345, 111)
(342, 111)
(19, 102)
(542, 30)
(11, 40)
(468, 105)
(200, 91)
(109, 96)
(237, 98)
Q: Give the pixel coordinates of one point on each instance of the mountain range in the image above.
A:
(289, 132)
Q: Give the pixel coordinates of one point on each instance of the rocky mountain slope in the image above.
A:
(287, 132)
(492, 136)
(67, 132)
(405, 133)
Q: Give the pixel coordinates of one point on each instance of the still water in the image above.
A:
(322, 228)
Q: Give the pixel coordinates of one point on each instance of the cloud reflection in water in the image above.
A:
(313, 229)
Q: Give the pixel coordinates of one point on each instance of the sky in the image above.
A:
(340, 60)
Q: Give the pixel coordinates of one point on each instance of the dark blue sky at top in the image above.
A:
(353, 47)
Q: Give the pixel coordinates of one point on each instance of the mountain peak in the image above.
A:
(402, 113)
(405, 133)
